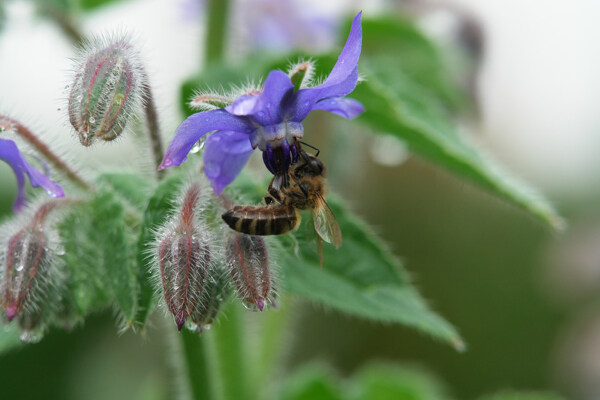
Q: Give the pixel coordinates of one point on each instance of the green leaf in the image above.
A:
(387, 381)
(118, 247)
(315, 382)
(397, 105)
(156, 213)
(83, 256)
(100, 257)
(132, 188)
(361, 278)
(530, 395)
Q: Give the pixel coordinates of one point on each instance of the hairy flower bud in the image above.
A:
(184, 258)
(301, 74)
(27, 268)
(106, 90)
(26, 260)
(248, 265)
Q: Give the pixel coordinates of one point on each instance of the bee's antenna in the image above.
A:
(312, 147)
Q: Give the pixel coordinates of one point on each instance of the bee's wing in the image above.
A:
(325, 223)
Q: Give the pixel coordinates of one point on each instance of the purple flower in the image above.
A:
(270, 119)
(9, 152)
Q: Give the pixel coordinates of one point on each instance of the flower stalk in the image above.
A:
(10, 124)
(153, 127)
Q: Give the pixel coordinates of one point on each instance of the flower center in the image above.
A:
(277, 143)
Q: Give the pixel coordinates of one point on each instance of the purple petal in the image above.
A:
(9, 152)
(341, 81)
(347, 108)
(225, 155)
(196, 126)
(348, 59)
(265, 108)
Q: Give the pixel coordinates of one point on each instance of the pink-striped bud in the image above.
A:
(184, 259)
(27, 261)
(106, 90)
(301, 74)
(248, 265)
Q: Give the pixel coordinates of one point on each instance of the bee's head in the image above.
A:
(310, 165)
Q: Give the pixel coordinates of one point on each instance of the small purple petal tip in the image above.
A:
(260, 304)
(11, 312)
(180, 322)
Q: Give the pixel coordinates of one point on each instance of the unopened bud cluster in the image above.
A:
(106, 91)
(30, 274)
(198, 262)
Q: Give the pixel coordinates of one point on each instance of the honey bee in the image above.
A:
(306, 190)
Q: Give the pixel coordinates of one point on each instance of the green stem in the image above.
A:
(64, 21)
(269, 345)
(153, 128)
(216, 30)
(231, 353)
(195, 357)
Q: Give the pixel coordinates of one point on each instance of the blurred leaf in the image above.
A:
(9, 337)
(361, 278)
(415, 54)
(387, 381)
(219, 78)
(2, 17)
(314, 382)
(513, 395)
(88, 5)
(158, 209)
(62, 7)
(397, 105)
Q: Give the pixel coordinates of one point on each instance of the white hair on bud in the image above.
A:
(120, 45)
(42, 302)
(205, 100)
(310, 67)
(203, 228)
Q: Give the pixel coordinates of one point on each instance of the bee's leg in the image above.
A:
(274, 196)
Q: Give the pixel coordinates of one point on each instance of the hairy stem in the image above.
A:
(153, 128)
(195, 358)
(216, 30)
(53, 158)
(269, 345)
(231, 354)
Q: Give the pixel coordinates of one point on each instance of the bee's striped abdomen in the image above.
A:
(259, 220)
